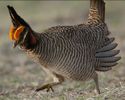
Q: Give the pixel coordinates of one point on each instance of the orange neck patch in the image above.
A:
(11, 32)
(14, 34)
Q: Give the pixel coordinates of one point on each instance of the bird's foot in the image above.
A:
(48, 88)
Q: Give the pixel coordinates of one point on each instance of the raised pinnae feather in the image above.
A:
(16, 19)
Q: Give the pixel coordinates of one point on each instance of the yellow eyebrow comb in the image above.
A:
(14, 34)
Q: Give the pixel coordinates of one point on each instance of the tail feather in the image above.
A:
(100, 6)
(103, 69)
(109, 59)
(106, 57)
(108, 41)
(108, 64)
(107, 54)
(108, 47)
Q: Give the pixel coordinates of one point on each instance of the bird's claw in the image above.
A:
(47, 86)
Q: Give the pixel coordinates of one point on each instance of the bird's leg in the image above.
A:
(96, 83)
(57, 79)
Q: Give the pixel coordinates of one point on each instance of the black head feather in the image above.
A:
(16, 19)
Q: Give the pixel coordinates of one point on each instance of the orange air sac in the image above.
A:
(14, 34)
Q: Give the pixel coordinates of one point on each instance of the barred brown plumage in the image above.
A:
(74, 52)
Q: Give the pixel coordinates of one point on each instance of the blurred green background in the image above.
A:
(18, 74)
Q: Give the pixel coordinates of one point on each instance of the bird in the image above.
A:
(75, 52)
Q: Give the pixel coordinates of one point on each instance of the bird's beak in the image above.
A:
(15, 44)
(19, 26)
(13, 16)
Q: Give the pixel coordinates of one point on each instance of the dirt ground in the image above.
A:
(19, 75)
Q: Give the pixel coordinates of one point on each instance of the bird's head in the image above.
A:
(20, 32)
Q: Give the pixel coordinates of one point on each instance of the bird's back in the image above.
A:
(78, 51)
(70, 50)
